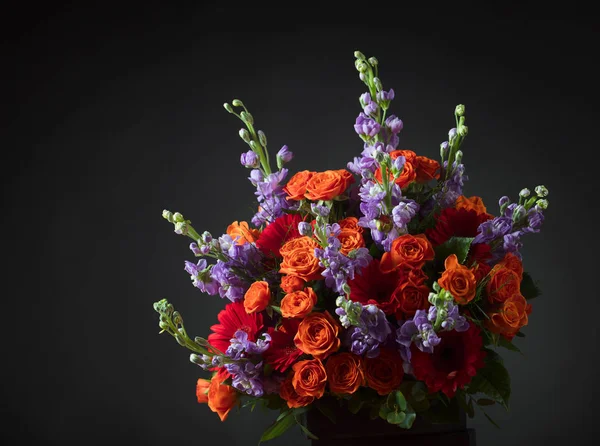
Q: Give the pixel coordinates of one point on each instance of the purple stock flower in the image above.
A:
(304, 228)
(418, 330)
(247, 377)
(512, 242)
(395, 124)
(230, 285)
(194, 248)
(318, 209)
(249, 159)
(364, 166)
(404, 212)
(374, 330)
(240, 347)
(199, 273)
(371, 109)
(385, 95)
(366, 126)
(285, 155)
(452, 320)
(492, 229)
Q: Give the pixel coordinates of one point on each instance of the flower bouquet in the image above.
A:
(379, 286)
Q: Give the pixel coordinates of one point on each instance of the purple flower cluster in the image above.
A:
(247, 376)
(372, 330)
(453, 187)
(271, 196)
(339, 268)
(200, 275)
(503, 233)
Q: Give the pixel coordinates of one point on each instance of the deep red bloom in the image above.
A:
(455, 222)
(479, 254)
(283, 351)
(372, 286)
(278, 232)
(232, 319)
(453, 363)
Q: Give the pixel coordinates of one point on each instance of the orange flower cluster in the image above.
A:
(317, 186)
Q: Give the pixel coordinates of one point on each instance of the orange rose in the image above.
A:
(221, 397)
(299, 259)
(309, 378)
(473, 203)
(350, 223)
(318, 335)
(427, 169)
(411, 295)
(298, 303)
(350, 239)
(328, 185)
(503, 284)
(289, 394)
(513, 315)
(513, 263)
(296, 186)
(202, 387)
(384, 373)
(344, 373)
(289, 284)
(257, 297)
(407, 250)
(458, 280)
(243, 231)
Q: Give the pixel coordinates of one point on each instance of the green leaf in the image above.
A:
(455, 245)
(503, 342)
(492, 380)
(485, 402)
(279, 427)
(395, 417)
(408, 420)
(461, 398)
(529, 288)
(400, 400)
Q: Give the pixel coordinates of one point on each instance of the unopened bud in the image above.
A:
(459, 156)
(177, 217)
(377, 83)
(362, 76)
(359, 55)
(237, 103)
(463, 130)
(541, 191)
(228, 107)
(304, 228)
(339, 301)
(247, 117)
(262, 138)
(524, 193)
(460, 110)
(361, 66)
(346, 288)
(452, 134)
(373, 61)
(195, 359)
(542, 204)
(245, 135)
(519, 213)
(168, 215)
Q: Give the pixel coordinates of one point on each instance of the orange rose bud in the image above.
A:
(296, 186)
(257, 297)
(503, 284)
(350, 223)
(221, 397)
(299, 259)
(289, 284)
(344, 373)
(289, 394)
(243, 231)
(384, 373)
(298, 303)
(427, 169)
(513, 315)
(309, 378)
(458, 280)
(202, 387)
(318, 335)
(328, 185)
(473, 203)
(407, 251)
(513, 263)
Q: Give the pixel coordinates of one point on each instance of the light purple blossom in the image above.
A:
(366, 126)
(194, 248)
(418, 330)
(372, 331)
(241, 347)
(395, 124)
(320, 210)
(452, 319)
(249, 159)
(492, 229)
(200, 275)
(404, 212)
(272, 198)
(247, 377)
(385, 95)
(304, 228)
(285, 155)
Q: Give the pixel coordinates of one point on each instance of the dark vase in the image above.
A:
(359, 429)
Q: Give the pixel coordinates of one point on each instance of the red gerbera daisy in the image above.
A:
(455, 222)
(453, 363)
(232, 319)
(283, 351)
(278, 232)
(372, 286)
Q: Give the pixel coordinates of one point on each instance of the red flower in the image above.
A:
(374, 287)
(453, 363)
(455, 222)
(232, 319)
(278, 232)
(283, 351)
(479, 254)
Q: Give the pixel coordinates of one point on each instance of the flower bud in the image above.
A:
(361, 66)
(206, 237)
(196, 359)
(177, 217)
(452, 134)
(542, 204)
(249, 159)
(519, 213)
(541, 191)
(377, 83)
(254, 146)
(247, 117)
(359, 55)
(524, 193)
(228, 107)
(373, 61)
(346, 288)
(284, 156)
(444, 148)
(304, 228)
(237, 103)
(181, 228)
(245, 135)
(459, 110)
(168, 215)
(459, 156)
(262, 138)
(463, 130)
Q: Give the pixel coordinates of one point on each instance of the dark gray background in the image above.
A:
(111, 115)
